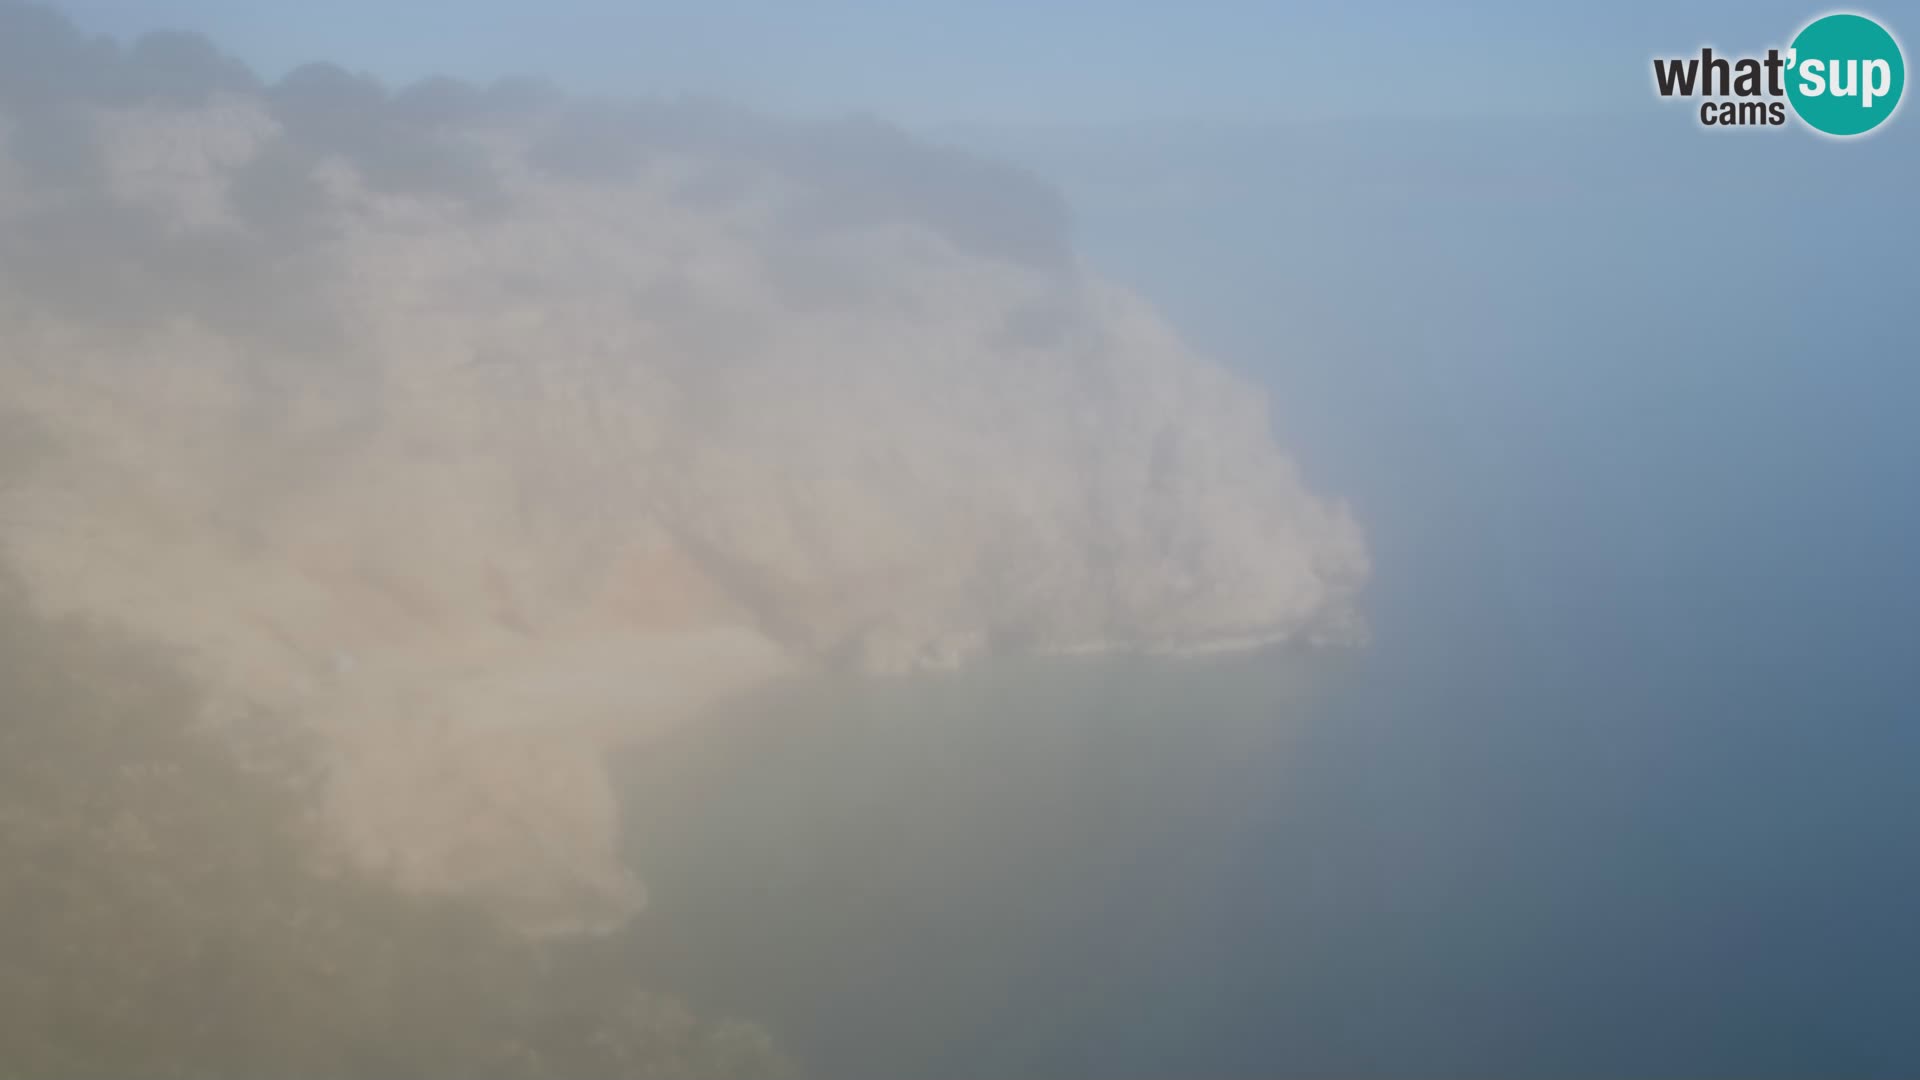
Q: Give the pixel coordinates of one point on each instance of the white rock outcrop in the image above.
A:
(469, 479)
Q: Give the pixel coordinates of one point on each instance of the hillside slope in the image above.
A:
(472, 432)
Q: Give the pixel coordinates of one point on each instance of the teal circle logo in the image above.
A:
(1845, 74)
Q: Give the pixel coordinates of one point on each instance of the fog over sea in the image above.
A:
(676, 575)
(1623, 784)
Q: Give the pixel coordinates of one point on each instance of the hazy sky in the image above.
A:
(999, 62)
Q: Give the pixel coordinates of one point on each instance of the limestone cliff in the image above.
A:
(469, 433)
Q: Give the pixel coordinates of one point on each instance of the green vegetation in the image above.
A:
(162, 915)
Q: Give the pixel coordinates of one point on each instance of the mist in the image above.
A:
(1618, 786)
(1349, 595)
(479, 431)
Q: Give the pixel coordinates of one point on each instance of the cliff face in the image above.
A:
(469, 434)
